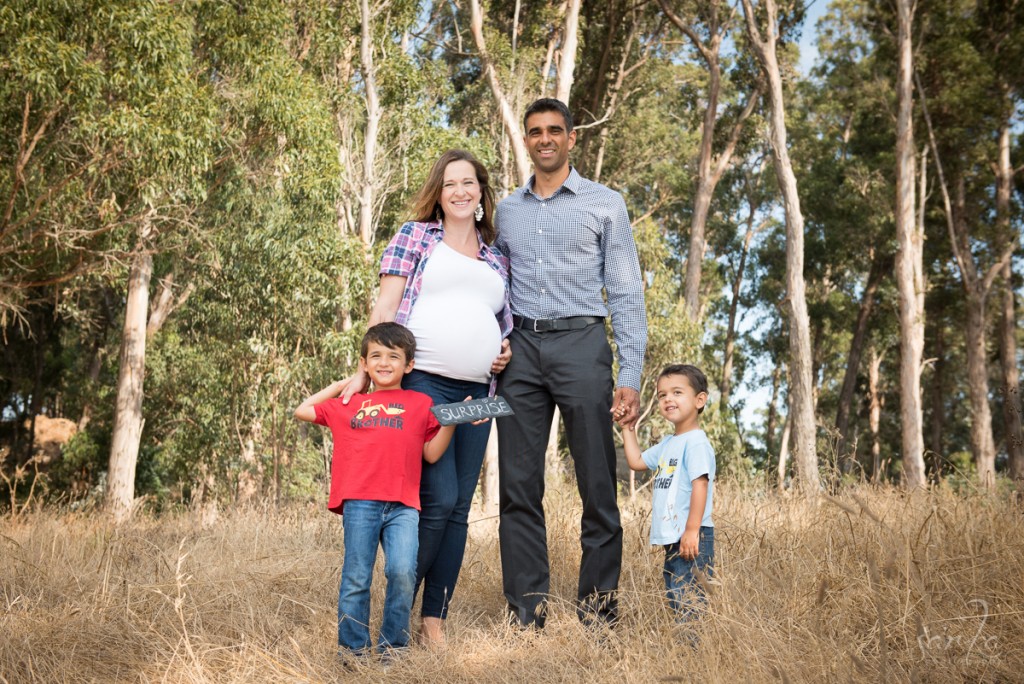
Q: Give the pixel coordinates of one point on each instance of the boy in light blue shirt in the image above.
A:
(683, 488)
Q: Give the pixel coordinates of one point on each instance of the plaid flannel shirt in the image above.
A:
(407, 255)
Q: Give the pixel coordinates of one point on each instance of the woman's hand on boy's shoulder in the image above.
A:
(351, 386)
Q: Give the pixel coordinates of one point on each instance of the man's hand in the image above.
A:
(503, 358)
(626, 406)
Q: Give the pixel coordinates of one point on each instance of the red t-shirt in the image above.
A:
(378, 445)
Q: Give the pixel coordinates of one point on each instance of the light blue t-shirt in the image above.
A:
(671, 495)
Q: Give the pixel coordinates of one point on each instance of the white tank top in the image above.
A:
(453, 319)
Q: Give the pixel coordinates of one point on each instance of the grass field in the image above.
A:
(871, 585)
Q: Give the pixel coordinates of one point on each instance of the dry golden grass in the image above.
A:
(873, 585)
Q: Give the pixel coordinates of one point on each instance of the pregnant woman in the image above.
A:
(441, 278)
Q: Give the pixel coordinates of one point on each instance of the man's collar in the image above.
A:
(571, 183)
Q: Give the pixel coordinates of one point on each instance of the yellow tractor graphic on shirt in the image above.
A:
(371, 410)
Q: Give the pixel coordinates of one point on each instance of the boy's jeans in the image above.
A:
(680, 575)
(367, 524)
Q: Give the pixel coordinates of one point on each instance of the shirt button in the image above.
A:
(540, 230)
(540, 261)
(543, 291)
(543, 204)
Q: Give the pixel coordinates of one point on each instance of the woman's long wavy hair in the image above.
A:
(427, 207)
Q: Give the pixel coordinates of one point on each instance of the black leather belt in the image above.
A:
(555, 324)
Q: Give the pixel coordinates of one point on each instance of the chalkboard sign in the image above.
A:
(469, 411)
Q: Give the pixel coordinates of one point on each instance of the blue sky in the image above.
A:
(808, 49)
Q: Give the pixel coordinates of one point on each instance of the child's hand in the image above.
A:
(689, 545)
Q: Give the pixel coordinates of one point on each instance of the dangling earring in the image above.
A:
(479, 212)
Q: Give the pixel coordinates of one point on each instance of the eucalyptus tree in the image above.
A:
(909, 260)
(1014, 435)
(1001, 37)
(954, 68)
(262, 326)
(846, 138)
(509, 117)
(763, 30)
(706, 24)
(117, 127)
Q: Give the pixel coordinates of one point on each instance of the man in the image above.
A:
(568, 239)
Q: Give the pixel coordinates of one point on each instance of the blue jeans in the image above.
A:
(367, 524)
(680, 575)
(446, 493)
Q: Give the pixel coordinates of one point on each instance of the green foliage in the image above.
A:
(111, 131)
(228, 139)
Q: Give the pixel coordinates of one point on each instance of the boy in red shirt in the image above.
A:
(380, 442)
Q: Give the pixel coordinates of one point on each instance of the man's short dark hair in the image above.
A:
(392, 336)
(549, 104)
(695, 376)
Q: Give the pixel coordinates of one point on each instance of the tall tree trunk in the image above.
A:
(937, 419)
(567, 61)
(976, 287)
(982, 443)
(549, 56)
(909, 262)
(511, 123)
(880, 267)
(773, 412)
(250, 472)
(705, 181)
(1008, 320)
(875, 412)
(784, 442)
(801, 398)
(128, 420)
(373, 114)
(709, 170)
